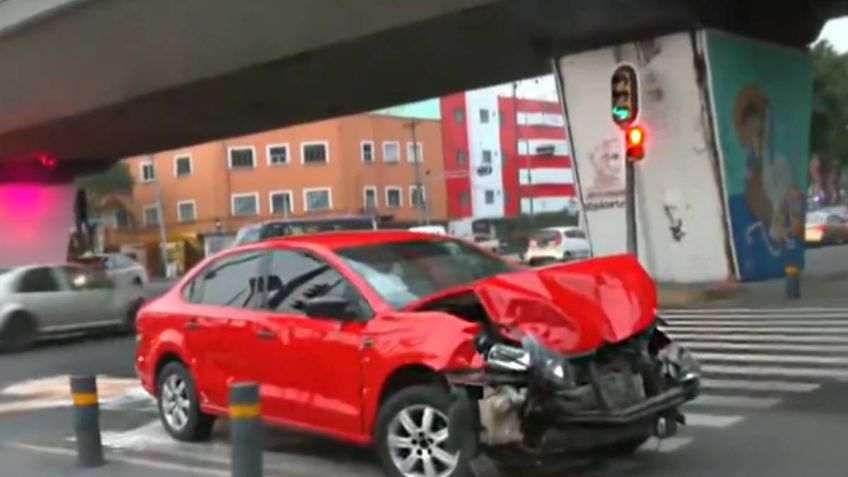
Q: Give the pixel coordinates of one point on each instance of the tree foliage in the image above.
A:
(116, 180)
(829, 133)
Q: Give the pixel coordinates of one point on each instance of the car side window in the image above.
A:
(79, 278)
(295, 277)
(38, 280)
(232, 281)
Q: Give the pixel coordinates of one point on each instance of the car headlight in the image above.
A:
(549, 366)
(508, 358)
(679, 363)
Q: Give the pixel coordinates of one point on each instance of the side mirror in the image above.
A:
(332, 307)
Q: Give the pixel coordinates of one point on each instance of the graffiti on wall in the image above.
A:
(763, 114)
(604, 187)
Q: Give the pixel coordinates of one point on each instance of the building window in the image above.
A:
(278, 154)
(416, 200)
(314, 152)
(413, 152)
(460, 157)
(459, 115)
(281, 202)
(394, 198)
(122, 219)
(463, 197)
(186, 211)
(245, 204)
(369, 194)
(487, 157)
(151, 215)
(490, 197)
(484, 116)
(391, 151)
(182, 166)
(242, 157)
(317, 199)
(147, 172)
(367, 151)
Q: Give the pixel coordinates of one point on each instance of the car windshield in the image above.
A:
(542, 237)
(402, 272)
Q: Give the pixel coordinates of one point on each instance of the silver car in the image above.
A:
(59, 299)
(123, 270)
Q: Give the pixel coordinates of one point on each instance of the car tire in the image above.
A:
(567, 257)
(179, 408)
(137, 282)
(402, 419)
(19, 332)
(132, 314)
(626, 447)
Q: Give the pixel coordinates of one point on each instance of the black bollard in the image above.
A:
(793, 281)
(86, 421)
(245, 430)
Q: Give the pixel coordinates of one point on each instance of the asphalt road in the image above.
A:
(773, 404)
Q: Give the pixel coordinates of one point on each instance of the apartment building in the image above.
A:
(353, 164)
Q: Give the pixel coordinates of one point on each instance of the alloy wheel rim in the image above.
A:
(175, 402)
(417, 441)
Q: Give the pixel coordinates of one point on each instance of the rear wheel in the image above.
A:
(179, 408)
(567, 256)
(19, 333)
(411, 435)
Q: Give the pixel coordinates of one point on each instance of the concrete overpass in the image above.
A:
(102, 79)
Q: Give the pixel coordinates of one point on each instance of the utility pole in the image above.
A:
(423, 213)
(160, 212)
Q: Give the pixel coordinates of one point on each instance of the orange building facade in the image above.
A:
(345, 165)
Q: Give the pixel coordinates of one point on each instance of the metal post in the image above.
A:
(630, 207)
(793, 281)
(245, 430)
(160, 212)
(86, 421)
(423, 214)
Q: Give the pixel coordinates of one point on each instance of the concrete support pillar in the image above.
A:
(720, 193)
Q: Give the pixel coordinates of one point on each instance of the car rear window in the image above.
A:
(91, 261)
(816, 219)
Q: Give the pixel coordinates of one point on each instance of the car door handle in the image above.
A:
(192, 324)
(265, 334)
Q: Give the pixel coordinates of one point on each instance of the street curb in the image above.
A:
(679, 295)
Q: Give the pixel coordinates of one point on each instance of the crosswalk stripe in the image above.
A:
(753, 329)
(735, 401)
(770, 358)
(795, 348)
(743, 384)
(763, 323)
(711, 420)
(669, 444)
(735, 337)
(754, 311)
(774, 371)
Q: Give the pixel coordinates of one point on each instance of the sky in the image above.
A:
(835, 31)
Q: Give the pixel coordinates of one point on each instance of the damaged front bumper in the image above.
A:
(623, 396)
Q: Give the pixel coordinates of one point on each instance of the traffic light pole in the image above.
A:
(630, 206)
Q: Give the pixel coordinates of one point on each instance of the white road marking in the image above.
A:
(806, 330)
(136, 461)
(762, 323)
(775, 371)
(779, 347)
(711, 420)
(733, 336)
(755, 311)
(55, 391)
(669, 444)
(771, 358)
(780, 386)
(735, 401)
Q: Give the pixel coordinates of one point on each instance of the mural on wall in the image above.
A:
(604, 181)
(762, 96)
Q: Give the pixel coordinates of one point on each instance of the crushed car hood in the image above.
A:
(576, 307)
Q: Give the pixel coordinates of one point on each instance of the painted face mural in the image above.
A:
(771, 194)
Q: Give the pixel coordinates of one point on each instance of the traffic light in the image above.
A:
(634, 139)
(625, 95)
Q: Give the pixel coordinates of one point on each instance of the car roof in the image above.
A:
(354, 238)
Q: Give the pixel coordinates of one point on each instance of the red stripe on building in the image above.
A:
(455, 138)
(538, 162)
(541, 132)
(548, 190)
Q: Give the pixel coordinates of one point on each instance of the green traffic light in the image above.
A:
(620, 113)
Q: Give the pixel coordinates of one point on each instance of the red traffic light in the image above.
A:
(635, 140)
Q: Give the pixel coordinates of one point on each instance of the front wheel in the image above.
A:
(19, 332)
(179, 408)
(411, 435)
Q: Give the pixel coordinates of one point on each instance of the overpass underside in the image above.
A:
(103, 79)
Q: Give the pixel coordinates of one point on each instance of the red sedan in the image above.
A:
(402, 340)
